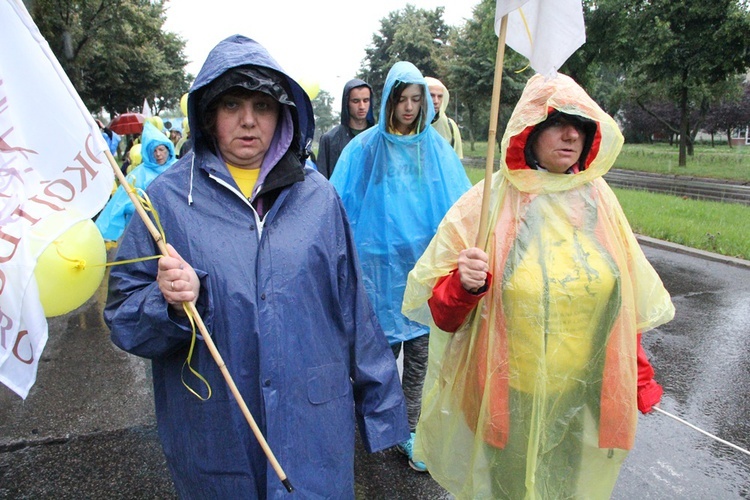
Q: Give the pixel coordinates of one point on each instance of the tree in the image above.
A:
(115, 52)
(730, 113)
(685, 50)
(410, 35)
(324, 116)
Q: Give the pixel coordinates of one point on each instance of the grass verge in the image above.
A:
(717, 227)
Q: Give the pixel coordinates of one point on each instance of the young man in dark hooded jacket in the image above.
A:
(356, 116)
(261, 245)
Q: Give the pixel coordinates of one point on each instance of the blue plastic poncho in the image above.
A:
(396, 189)
(282, 295)
(118, 211)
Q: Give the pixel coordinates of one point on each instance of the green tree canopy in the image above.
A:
(471, 73)
(115, 52)
(410, 34)
(685, 51)
(325, 119)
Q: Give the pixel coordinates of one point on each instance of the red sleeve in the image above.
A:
(649, 391)
(450, 303)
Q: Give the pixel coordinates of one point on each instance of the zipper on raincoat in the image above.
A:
(258, 220)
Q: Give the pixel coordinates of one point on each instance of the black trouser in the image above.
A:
(415, 369)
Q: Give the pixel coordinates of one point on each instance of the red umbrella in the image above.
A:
(127, 123)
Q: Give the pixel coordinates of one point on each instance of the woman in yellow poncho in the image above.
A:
(536, 393)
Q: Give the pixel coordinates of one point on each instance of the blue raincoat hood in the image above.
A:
(396, 190)
(236, 51)
(406, 72)
(151, 137)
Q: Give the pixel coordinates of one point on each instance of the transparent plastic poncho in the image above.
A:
(535, 395)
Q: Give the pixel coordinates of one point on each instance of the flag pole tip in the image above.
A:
(287, 485)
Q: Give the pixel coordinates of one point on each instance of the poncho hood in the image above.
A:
(150, 139)
(541, 97)
(434, 82)
(406, 72)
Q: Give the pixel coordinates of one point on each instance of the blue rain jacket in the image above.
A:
(119, 209)
(396, 190)
(284, 301)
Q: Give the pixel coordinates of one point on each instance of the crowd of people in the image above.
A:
(522, 366)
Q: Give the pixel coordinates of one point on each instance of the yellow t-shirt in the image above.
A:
(245, 178)
(555, 299)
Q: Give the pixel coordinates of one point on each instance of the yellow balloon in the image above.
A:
(71, 268)
(312, 89)
(157, 122)
(135, 155)
(183, 104)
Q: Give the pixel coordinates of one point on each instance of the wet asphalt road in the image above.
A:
(87, 428)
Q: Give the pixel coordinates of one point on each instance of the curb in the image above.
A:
(674, 247)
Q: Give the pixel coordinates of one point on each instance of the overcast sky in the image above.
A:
(316, 41)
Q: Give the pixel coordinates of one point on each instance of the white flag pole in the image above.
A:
(492, 134)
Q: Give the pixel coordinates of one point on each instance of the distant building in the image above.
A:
(741, 137)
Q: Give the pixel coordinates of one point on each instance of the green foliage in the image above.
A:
(323, 110)
(115, 53)
(471, 71)
(717, 162)
(686, 52)
(713, 162)
(409, 34)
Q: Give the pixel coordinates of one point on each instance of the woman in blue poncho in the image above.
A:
(397, 180)
(158, 155)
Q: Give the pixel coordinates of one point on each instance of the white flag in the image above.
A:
(546, 32)
(51, 164)
(146, 109)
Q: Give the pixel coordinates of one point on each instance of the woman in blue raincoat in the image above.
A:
(158, 155)
(261, 244)
(397, 180)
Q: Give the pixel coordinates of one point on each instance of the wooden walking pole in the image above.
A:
(494, 112)
(202, 328)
